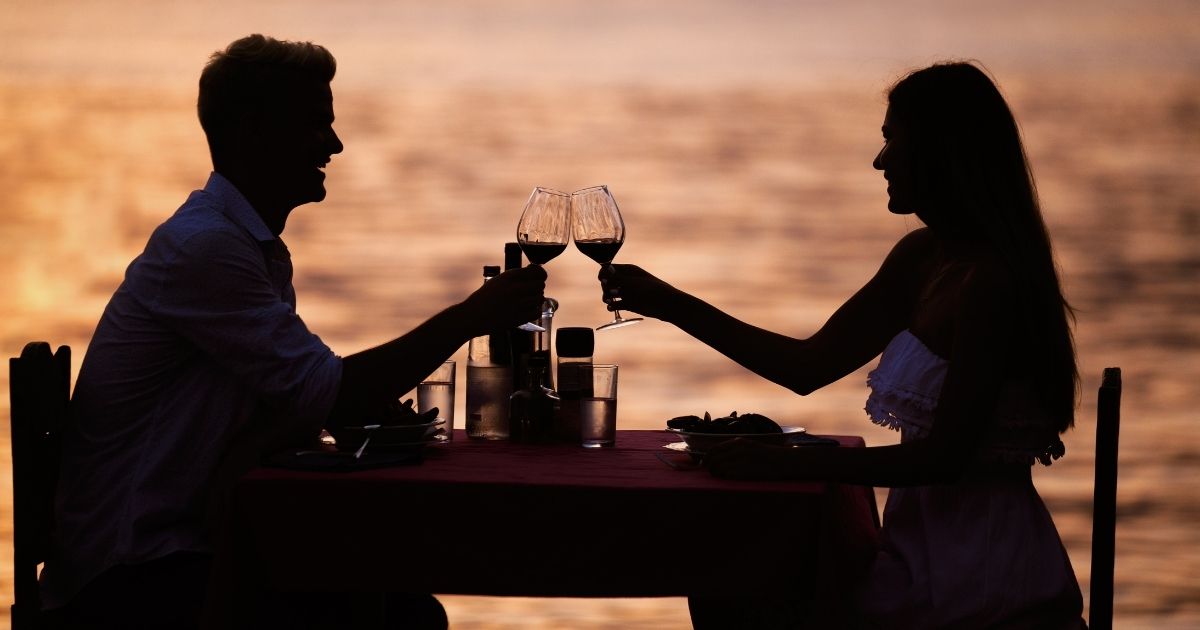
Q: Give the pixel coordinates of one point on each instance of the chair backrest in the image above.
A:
(39, 389)
(1104, 501)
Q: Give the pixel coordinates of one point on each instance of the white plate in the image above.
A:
(705, 441)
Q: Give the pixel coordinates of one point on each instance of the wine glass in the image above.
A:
(544, 230)
(599, 232)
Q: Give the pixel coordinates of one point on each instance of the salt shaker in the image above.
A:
(575, 348)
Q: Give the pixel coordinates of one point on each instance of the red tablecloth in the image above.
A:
(494, 518)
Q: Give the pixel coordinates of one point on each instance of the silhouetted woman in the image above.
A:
(977, 370)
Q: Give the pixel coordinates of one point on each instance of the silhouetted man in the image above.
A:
(200, 351)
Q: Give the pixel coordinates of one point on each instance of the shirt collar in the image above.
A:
(237, 207)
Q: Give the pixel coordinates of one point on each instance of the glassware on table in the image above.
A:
(599, 232)
(488, 389)
(598, 412)
(489, 381)
(544, 230)
(437, 390)
(575, 348)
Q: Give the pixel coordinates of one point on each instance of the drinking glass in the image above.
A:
(437, 390)
(599, 233)
(598, 411)
(544, 230)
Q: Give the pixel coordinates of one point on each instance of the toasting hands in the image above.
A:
(632, 288)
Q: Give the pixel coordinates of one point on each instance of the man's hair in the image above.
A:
(256, 75)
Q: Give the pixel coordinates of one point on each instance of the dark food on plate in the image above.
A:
(398, 413)
(731, 424)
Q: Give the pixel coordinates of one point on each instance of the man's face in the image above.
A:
(296, 143)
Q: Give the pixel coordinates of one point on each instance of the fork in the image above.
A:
(370, 431)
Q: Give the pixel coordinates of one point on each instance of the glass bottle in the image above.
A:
(520, 343)
(489, 383)
(532, 407)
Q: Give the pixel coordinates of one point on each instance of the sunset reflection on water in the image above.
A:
(738, 144)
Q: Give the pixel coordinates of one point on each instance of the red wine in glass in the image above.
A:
(542, 253)
(601, 250)
(544, 230)
(599, 232)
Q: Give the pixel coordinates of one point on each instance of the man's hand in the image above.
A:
(510, 299)
(638, 291)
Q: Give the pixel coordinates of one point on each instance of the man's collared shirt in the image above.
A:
(200, 338)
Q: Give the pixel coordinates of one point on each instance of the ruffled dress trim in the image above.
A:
(906, 386)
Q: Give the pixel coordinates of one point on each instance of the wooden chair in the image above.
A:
(39, 388)
(1104, 501)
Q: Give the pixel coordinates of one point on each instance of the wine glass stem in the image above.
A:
(612, 298)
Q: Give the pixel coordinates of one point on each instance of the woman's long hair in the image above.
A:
(973, 181)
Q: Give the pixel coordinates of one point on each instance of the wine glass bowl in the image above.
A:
(544, 230)
(599, 232)
(545, 226)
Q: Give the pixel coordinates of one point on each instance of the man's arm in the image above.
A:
(214, 291)
(372, 378)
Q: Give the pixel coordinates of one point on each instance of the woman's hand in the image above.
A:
(631, 288)
(740, 458)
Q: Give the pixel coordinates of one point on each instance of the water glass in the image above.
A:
(437, 390)
(598, 412)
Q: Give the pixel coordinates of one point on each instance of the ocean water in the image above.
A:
(738, 144)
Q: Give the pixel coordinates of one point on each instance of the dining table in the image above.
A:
(498, 518)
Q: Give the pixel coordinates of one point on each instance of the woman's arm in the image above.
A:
(855, 333)
(980, 356)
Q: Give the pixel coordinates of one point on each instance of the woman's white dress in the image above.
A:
(978, 553)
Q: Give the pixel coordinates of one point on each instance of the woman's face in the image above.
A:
(896, 161)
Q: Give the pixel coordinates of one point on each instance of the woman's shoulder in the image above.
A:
(919, 242)
(912, 259)
(917, 248)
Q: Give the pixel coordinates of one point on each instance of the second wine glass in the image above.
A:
(599, 232)
(544, 230)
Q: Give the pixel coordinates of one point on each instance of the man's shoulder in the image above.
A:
(201, 222)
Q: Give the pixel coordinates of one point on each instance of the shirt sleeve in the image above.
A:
(217, 294)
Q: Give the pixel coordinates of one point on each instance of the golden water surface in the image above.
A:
(738, 143)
